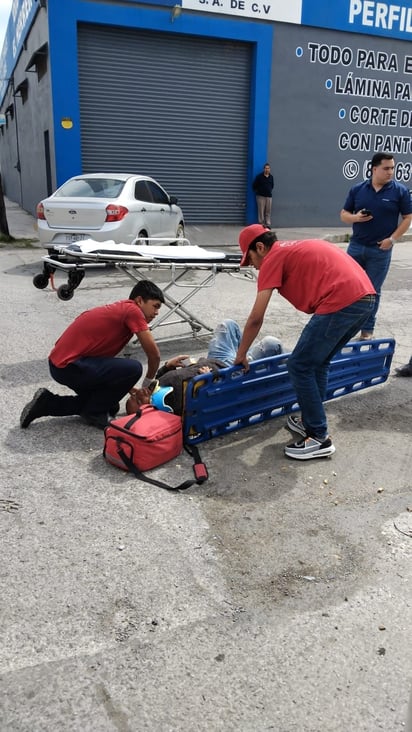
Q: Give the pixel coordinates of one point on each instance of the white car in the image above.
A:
(109, 206)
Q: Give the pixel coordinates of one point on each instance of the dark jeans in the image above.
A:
(376, 263)
(99, 383)
(308, 364)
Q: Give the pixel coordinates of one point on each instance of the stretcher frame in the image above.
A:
(76, 264)
(219, 403)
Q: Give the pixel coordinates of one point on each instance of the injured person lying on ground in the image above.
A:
(167, 390)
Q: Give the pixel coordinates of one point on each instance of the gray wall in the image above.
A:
(33, 118)
(312, 174)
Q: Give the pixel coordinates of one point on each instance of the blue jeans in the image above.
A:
(376, 263)
(98, 382)
(226, 339)
(308, 364)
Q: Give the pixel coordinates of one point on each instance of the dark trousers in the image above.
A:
(98, 382)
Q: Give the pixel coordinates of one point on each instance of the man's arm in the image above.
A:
(253, 326)
(353, 218)
(346, 217)
(151, 350)
(402, 227)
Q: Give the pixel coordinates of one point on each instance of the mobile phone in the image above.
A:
(188, 361)
(366, 212)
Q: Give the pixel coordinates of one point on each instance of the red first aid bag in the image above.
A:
(151, 437)
(147, 439)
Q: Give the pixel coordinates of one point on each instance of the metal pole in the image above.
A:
(17, 166)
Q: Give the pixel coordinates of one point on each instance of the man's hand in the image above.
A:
(241, 360)
(361, 217)
(385, 244)
(137, 398)
(176, 362)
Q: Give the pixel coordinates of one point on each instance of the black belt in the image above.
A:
(368, 298)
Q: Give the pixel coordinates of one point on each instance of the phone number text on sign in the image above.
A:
(403, 170)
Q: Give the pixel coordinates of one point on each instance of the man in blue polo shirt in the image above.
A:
(380, 212)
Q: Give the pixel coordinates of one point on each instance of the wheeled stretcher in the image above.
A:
(219, 403)
(180, 263)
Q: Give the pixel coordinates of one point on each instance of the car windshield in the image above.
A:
(91, 188)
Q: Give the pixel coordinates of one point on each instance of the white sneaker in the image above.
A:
(310, 448)
(295, 424)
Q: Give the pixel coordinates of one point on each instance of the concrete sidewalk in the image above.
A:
(23, 226)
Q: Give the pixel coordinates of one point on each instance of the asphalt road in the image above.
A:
(277, 596)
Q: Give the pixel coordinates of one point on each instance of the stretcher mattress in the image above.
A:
(122, 252)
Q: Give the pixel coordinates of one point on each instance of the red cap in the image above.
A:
(246, 237)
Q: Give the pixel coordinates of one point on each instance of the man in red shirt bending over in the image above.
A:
(317, 278)
(84, 359)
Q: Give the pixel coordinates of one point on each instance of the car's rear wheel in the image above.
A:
(180, 236)
(141, 239)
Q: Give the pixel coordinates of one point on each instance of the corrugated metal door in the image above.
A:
(175, 107)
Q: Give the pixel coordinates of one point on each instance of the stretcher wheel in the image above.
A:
(64, 292)
(41, 280)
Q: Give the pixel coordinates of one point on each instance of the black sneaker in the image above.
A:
(36, 408)
(404, 370)
(96, 420)
(295, 424)
(310, 448)
(114, 409)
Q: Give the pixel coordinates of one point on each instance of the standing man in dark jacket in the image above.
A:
(263, 187)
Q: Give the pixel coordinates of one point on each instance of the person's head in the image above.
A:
(383, 168)
(255, 242)
(161, 398)
(266, 169)
(148, 297)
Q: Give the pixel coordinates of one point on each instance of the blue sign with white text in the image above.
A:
(360, 16)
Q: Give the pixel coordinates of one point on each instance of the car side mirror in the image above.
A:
(172, 200)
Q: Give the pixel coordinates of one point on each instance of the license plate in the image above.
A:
(75, 237)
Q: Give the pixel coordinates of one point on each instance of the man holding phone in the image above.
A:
(379, 210)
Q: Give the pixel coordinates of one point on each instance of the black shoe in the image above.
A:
(310, 447)
(404, 370)
(36, 408)
(114, 409)
(96, 420)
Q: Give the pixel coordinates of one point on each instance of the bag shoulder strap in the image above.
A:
(199, 469)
